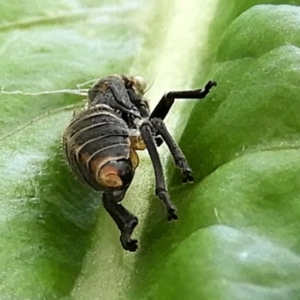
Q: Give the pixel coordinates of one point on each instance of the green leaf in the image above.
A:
(47, 216)
(237, 237)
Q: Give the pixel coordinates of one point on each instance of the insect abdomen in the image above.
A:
(95, 136)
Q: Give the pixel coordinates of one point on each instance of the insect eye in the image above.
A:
(139, 84)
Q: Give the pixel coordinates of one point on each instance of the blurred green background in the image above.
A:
(237, 236)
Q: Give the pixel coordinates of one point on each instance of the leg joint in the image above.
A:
(146, 123)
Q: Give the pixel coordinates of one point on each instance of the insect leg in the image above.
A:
(121, 105)
(166, 102)
(175, 150)
(161, 189)
(125, 221)
(141, 104)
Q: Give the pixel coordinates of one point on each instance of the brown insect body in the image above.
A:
(101, 142)
(96, 136)
(99, 135)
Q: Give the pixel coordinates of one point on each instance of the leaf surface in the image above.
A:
(237, 237)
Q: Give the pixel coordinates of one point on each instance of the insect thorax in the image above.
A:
(110, 91)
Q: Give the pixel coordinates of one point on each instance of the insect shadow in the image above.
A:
(66, 218)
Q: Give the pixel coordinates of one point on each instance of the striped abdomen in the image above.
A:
(95, 136)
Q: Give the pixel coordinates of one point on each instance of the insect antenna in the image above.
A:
(147, 89)
(89, 82)
(79, 91)
(64, 91)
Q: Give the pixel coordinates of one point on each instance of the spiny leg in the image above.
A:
(125, 221)
(178, 156)
(161, 189)
(166, 102)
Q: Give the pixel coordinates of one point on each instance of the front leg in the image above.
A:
(166, 102)
(125, 221)
(178, 156)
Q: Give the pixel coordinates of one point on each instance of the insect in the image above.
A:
(102, 139)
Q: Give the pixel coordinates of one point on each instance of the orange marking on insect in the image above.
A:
(134, 158)
(96, 163)
(92, 165)
(83, 157)
(108, 176)
(103, 86)
(137, 142)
